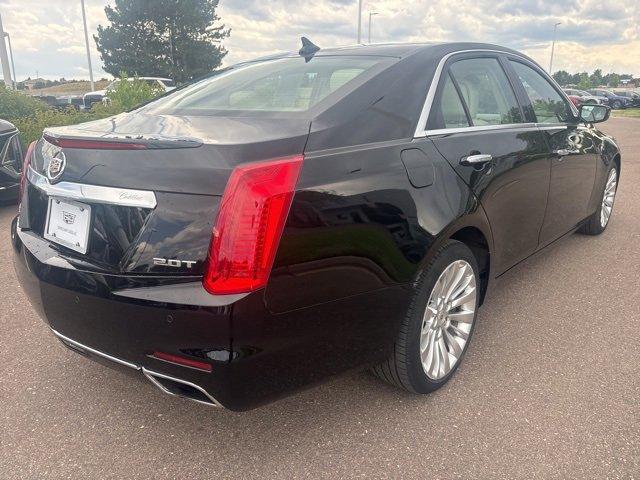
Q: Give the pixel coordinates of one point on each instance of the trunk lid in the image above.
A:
(184, 161)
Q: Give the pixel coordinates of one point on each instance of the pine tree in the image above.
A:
(179, 39)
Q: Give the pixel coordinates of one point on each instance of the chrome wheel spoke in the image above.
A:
(608, 197)
(453, 345)
(462, 316)
(466, 296)
(448, 319)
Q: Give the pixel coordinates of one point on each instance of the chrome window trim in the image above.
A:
(480, 128)
(421, 127)
(93, 193)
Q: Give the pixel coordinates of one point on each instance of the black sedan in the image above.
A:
(299, 216)
(10, 163)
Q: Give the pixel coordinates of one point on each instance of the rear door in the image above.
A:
(572, 153)
(479, 127)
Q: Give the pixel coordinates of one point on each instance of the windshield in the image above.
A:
(281, 85)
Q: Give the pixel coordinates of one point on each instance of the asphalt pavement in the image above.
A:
(550, 388)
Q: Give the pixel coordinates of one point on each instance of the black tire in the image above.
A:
(616, 105)
(404, 368)
(593, 225)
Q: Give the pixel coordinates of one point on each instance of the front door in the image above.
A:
(572, 154)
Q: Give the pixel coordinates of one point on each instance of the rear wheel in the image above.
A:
(436, 331)
(597, 223)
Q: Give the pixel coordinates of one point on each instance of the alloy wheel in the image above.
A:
(448, 319)
(608, 197)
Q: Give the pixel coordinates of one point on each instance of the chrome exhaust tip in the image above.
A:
(169, 385)
(180, 388)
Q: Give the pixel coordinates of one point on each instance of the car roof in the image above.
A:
(398, 50)
(6, 127)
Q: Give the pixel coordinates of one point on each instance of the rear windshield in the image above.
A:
(281, 85)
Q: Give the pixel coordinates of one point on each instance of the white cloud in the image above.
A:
(47, 36)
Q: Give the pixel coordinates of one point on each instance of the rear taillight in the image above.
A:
(25, 167)
(252, 214)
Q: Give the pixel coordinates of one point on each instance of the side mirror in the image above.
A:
(594, 113)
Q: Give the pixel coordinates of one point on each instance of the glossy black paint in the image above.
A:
(373, 203)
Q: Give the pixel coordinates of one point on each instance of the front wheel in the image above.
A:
(437, 328)
(616, 105)
(597, 223)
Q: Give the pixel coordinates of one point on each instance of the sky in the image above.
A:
(48, 39)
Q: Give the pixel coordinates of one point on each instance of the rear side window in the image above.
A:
(281, 85)
(450, 107)
(486, 91)
(547, 103)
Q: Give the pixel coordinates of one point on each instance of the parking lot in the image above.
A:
(550, 388)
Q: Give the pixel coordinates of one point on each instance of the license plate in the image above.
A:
(68, 224)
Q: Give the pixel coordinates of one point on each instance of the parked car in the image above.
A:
(10, 162)
(615, 101)
(304, 215)
(632, 96)
(586, 97)
(577, 101)
(163, 84)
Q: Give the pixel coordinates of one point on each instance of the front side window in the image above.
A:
(486, 91)
(547, 103)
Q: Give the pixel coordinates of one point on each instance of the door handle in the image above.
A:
(563, 152)
(478, 159)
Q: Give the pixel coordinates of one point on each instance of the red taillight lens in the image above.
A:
(252, 214)
(93, 144)
(25, 167)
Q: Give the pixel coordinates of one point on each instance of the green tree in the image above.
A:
(614, 80)
(585, 81)
(562, 77)
(179, 39)
(596, 78)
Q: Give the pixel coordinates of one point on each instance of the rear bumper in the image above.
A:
(83, 312)
(256, 356)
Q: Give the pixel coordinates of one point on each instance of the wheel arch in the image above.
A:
(474, 231)
(478, 243)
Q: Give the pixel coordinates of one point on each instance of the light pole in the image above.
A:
(86, 41)
(4, 58)
(371, 14)
(553, 47)
(13, 67)
(359, 22)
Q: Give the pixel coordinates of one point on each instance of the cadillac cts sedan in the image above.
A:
(298, 216)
